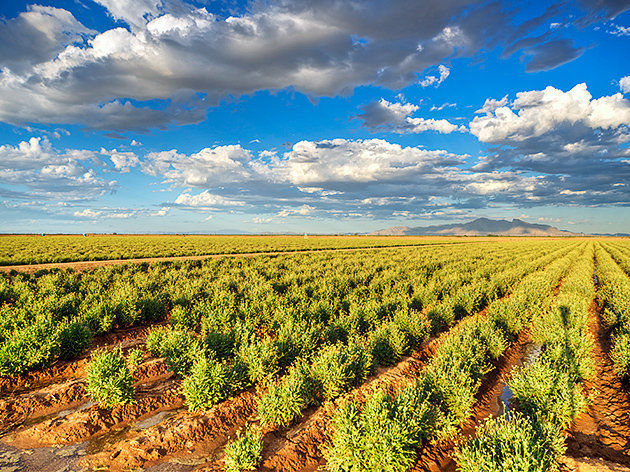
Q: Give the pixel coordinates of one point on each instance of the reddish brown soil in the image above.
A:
(603, 431)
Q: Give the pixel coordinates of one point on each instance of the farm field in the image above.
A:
(497, 355)
(43, 249)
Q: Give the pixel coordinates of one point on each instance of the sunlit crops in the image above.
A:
(307, 329)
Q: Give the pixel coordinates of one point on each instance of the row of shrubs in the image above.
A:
(320, 364)
(54, 314)
(385, 433)
(548, 392)
(613, 267)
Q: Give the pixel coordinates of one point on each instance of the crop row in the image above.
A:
(325, 361)
(614, 292)
(17, 250)
(548, 391)
(385, 433)
(54, 314)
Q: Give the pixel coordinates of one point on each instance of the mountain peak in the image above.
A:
(480, 227)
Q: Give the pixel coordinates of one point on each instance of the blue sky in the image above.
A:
(320, 116)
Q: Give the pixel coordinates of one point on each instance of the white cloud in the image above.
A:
(47, 173)
(204, 200)
(541, 112)
(123, 161)
(620, 30)
(443, 106)
(624, 84)
(304, 210)
(339, 160)
(436, 81)
(175, 53)
(394, 117)
(215, 166)
(87, 213)
(491, 105)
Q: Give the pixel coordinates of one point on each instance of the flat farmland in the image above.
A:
(435, 355)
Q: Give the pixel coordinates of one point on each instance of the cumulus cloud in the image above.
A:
(394, 117)
(578, 143)
(220, 165)
(123, 160)
(188, 59)
(543, 111)
(50, 174)
(204, 200)
(624, 84)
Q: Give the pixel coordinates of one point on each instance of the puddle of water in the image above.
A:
(153, 420)
(102, 442)
(531, 353)
(595, 279)
(83, 406)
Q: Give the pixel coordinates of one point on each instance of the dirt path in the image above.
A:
(603, 431)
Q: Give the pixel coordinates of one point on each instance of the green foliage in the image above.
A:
(388, 344)
(184, 318)
(74, 339)
(261, 360)
(284, 402)
(339, 368)
(135, 357)
(244, 453)
(31, 347)
(155, 338)
(620, 355)
(109, 380)
(543, 389)
(518, 444)
(210, 382)
(382, 437)
(180, 349)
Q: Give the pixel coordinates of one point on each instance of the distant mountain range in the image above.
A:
(478, 227)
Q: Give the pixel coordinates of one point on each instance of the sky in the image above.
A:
(317, 116)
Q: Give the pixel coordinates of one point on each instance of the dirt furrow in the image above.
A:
(603, 431)
(188, 434)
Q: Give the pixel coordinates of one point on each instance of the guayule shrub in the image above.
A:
(74, 338)
(109, 379)
(245, 453)
(210, 382)
(512, 445)
(382, 437)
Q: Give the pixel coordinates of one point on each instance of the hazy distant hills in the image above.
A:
(478, 227)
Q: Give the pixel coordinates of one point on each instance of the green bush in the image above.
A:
(382, 437)
(542, 389)
(388, 344)
(210, 382)
(109, 380)
(181, 349)
(339, 368)
(284, 402)
(516, 444)
(155, 339)
(620, 355)
(135, 357)
(31, 347)
(244, 453)
(74, 339)
(261, 360)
